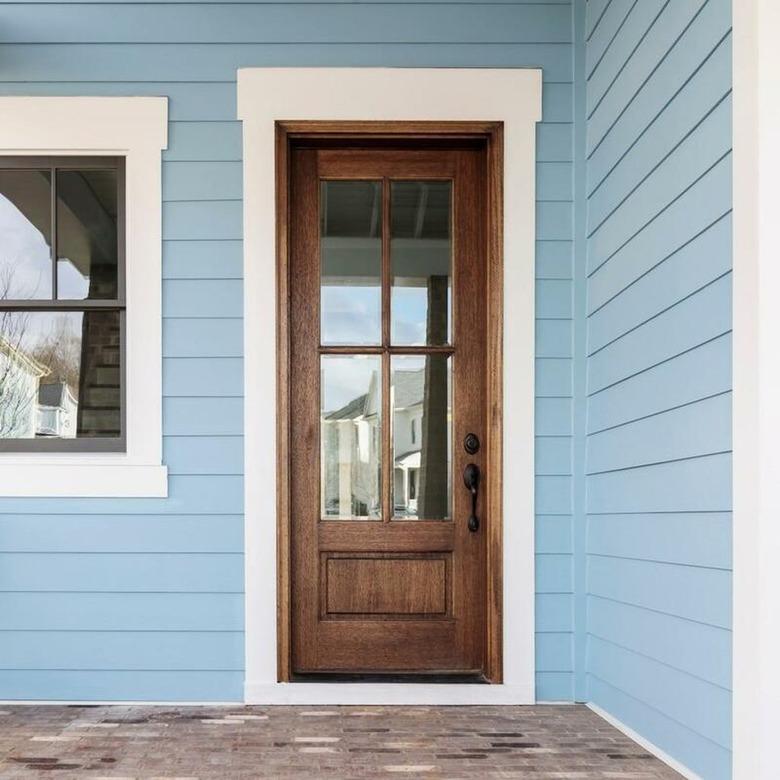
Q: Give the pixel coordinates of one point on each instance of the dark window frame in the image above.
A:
(118, 304)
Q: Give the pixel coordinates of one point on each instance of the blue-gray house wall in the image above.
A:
(142, 599)
(657, 283)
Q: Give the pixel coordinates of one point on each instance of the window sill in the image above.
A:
(71, 476)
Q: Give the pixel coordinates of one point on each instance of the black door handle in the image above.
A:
(471, 481)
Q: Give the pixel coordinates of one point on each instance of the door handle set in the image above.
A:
(471, 480)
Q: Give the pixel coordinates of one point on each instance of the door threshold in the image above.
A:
(419, 678)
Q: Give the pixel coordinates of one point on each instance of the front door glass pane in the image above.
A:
(351, 262)
(422, 436)
(421, 261)
(350, 437)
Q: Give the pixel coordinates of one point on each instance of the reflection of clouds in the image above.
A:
(25, 262)
(346, 378)
(350, 315)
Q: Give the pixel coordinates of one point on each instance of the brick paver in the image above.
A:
(567, 742)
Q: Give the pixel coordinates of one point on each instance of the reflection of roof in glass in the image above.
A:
(407, 389)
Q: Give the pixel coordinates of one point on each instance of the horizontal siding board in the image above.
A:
(685, 58)
(128, 650)
(700, 206)
(699, 705)
(693, 593)
(698, 263)
(706, 89)
(553, 416)
(553, 534)
(554, 221)
(694, 321)
(697, 485)
(122, 685)
(193, 337)
(288, 22)
(223, 377)
(554, 611)
(203, 416)
(198, 180)
(190, 259)
(553, 455)
(691, 539)
(694, 648)
(554, 339)
(699, 754)
(121, 612)
(701, 428)
(615, 16)
(187, 495)
(128, 533)
(554, 142)
(691, 160)
(554, 181)
(204, 141)
(553, 298)
(120, 572)
(553, 573)
(554, 259)
(553, 377)
(554, 686)
(553, 495)
(204, 454)
(637, 23)
(214, 220)
(557, 103)
(202, 298)
(218, 62)
(662, 34)
(702, 372)
(554, 651)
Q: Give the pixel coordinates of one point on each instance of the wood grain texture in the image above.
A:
(462, 643)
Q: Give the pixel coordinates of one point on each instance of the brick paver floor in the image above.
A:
(567, 742)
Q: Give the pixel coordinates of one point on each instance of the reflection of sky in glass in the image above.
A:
(25, 259)
(346, 378)
(350, 315)
(71, 284)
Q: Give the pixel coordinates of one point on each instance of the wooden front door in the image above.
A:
(388, 412)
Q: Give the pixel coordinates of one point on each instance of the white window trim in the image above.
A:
(267, 95)
(134, 128)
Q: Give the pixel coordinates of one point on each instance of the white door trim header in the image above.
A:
(268, 95)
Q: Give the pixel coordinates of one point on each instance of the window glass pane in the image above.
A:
(351, 258)
(350, 437)
(25, 234)
(421, 250)
(59, 375)
(86, 234)
(422, 437)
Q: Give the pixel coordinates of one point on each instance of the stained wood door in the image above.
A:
(387, 373)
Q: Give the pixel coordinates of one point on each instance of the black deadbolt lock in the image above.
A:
(471, 443)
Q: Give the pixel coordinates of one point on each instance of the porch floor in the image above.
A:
(547, 741)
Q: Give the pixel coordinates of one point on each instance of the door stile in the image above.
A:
(387, 411)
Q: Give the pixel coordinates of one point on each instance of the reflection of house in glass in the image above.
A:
(351, 448)
(31, 406)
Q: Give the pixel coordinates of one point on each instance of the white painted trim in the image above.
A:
(407, 694)
(266, 95)
(645, 743)
(136, 128)
(756, 418)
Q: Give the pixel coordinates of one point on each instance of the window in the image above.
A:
(81, 183)
(62, 306)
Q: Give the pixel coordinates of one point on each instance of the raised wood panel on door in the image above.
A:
(388, 595)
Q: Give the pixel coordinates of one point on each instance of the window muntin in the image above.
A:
(62, 304)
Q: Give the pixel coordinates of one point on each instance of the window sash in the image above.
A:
(54, 164)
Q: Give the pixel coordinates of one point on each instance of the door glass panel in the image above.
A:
(421, 401)
(421, 262)
(25, 234)
(350, 437)
(351, 261)
(87, 235)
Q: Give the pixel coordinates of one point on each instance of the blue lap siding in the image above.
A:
(143, 599)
